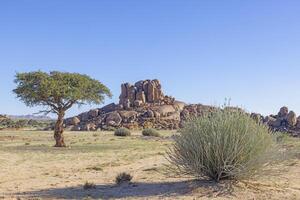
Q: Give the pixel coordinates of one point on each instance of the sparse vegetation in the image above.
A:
(225, 145)
(150, 132)
(123, 178)
(122, 132)
(98, 161)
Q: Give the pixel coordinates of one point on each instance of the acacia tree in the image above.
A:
(57, 92)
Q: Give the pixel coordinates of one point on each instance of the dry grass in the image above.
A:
(31, 168)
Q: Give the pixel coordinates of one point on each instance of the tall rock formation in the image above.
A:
(142, 93)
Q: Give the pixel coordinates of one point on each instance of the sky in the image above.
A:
(202, 51)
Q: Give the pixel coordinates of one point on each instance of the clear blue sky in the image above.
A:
(202, 51)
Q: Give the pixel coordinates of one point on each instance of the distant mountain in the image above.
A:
(33, 117)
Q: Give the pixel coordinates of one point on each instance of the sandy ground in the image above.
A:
(32, 169)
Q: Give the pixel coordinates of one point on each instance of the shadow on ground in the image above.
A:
(135, 190)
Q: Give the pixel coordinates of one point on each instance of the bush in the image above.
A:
(89, 186)
(123, 178)
(150, 132)
(226, 144)
(122, 132)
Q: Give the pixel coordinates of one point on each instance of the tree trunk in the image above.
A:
(59, 129)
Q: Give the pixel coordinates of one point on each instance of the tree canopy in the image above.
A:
(59, 90)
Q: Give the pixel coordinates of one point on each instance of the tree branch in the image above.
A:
(46, 112)
(69, 104)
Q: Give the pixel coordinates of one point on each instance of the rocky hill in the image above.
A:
(140, 105)
(144, 105)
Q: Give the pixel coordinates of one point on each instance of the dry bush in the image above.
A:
(150, 132)
(89, 186)
(122, 132)
(226, 144)
(123, 178)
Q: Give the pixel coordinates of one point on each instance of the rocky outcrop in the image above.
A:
(141, 105)
(144, 105)
(284, 121)
(143, 93)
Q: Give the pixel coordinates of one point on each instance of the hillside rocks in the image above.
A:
(141, 105)
(144, 105)
(284, 121)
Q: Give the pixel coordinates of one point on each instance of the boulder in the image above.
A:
(275, 123)
(150, 114)
(257, 117)
(109, 108)
(90, 127)
(126, 104)
(128, 116)
(113, 118)
(270, 121)
(173, 116)
(98, 120)
(93, 113)
(292, 118)
(267, 119)
(139, 86)
(84, 116)
(140, 96)
(74, 121)
(178, 105)
(138, 103)
(164, 110)
(298, 123)
(131, 95)
(283, 112)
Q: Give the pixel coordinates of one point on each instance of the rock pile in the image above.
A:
(284, 121)
(142, 105)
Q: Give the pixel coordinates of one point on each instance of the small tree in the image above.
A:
(58, 91)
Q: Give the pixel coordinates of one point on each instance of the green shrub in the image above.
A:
(123, 178)
(122, 132)
(150, 132)
(226, 144)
